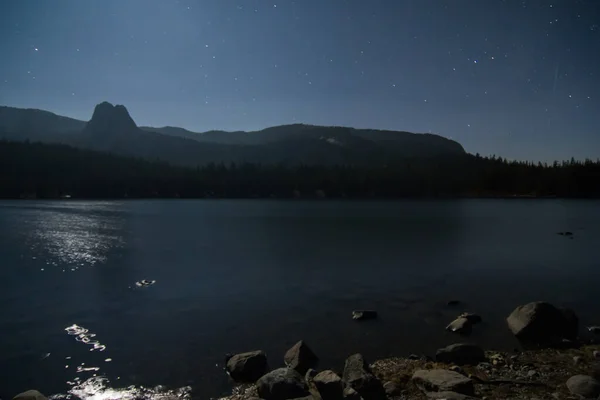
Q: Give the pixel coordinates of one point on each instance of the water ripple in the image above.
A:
(83, 335)
(98, 388)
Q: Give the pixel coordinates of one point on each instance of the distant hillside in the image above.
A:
(29, 123)
(112, 129)
(37, 170)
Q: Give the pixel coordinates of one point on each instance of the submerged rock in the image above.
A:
(282, 384)
(364, 314)
(359, 377)
(460, 353)
(145, 282)
(442, 380)
(30, 395)
(460, 325)
(247, 367)
(584, 386)
(542, 323)
(594, 329)
(300, 357)
(471, 317)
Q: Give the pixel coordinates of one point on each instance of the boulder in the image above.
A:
(460, 353)
(542, 323)
(364, 314)
(584, 386)
(460, 325)
(247, 367)
(329, 385)
(359, 377)
(30, 395)
(442, 380)
(300, 357)
(281, 384)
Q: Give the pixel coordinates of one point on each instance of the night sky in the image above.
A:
(519, 79)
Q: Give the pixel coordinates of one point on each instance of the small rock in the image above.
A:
(460, 353)
(30, 395)
(281, 384)
(414, 357)
(310, 375)
(449, 396)
(351, 394)
(392, 389)
(453, 302)
(300, 357)
(364, 314)
(577, 359)
(542, 323)
(329, 385)
(458, 369)
(460, 325)
(359, 377)
(484, 366)
(441, 380)
(584, 386)
(596, 354)
(472, 317)
(594, 329)
(247, 367)
(532, 373)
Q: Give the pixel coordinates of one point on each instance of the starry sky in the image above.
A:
(515, 78)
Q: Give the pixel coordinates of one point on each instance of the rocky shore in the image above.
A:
(556, 361)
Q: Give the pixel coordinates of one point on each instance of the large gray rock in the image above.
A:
(449, 396)
(30, 395)
(542, 323)
(460, 353)
(300, 357)
(359, 377)
(442, 380)
(584, 386)
(247, 367)
(329, 385)
(281, 384)
(460, 325)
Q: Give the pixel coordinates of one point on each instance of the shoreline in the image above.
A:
(531, 374)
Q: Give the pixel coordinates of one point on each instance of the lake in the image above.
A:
(236, 275)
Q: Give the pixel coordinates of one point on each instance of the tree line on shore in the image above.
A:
(36, 170)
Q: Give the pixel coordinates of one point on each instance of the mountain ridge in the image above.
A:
(112, 129)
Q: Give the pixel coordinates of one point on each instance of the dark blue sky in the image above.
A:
(520, 79)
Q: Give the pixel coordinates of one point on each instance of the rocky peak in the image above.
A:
(110, 119)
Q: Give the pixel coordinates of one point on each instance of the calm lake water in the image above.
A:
(234, 276)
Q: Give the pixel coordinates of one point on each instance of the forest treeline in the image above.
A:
(36, 170)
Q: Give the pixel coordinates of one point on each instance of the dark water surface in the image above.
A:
(241, 275)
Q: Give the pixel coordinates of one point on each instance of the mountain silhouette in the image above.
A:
(110, 120)
(112, 129)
